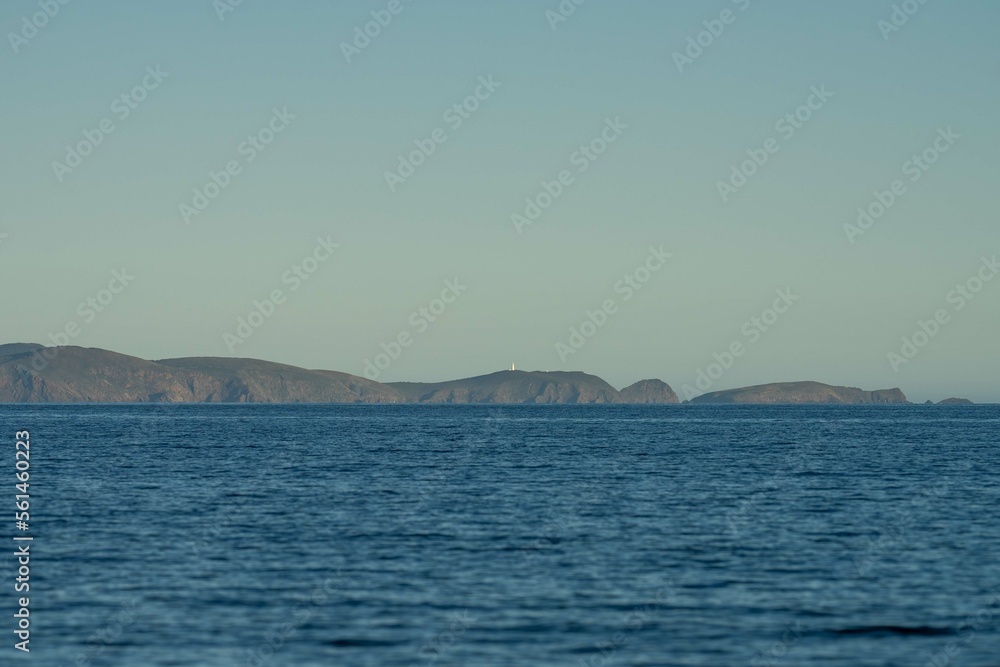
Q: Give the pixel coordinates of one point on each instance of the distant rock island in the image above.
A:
(32, 373)
(514, 387)
(802, 392)
(648, 391)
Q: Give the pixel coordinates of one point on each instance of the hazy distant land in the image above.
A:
(32, 373)
(802, 392)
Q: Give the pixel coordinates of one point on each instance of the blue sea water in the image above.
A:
(508, 535)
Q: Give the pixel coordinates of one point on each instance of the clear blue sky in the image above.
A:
(656, 185)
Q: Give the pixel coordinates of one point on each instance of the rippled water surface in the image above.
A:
(526, 535)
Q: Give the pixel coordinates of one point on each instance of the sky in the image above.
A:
(695, 165)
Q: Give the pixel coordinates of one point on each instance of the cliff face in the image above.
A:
(255, 381)
(895, 395)
(76, 374)
(802, 392)
(11, 349)
(647, 391)
(513, 387)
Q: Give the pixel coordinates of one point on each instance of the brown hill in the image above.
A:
(513, 387)
(801, 392)
(647, 391)
(75, 374)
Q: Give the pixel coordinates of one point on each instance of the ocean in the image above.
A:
(418, 535)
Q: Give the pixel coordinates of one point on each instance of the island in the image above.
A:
(33, 373)
(802, 392)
